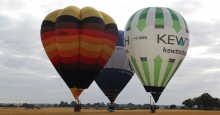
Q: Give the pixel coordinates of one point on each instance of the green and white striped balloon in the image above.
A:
(156, 41)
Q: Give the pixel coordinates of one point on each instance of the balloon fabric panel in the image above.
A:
(74, 40)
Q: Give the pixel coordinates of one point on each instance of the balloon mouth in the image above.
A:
(155, 91)
(76, 92)
(112, 98)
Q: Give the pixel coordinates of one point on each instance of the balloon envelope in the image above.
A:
(116, 73)
(156, 42)
(78, 42)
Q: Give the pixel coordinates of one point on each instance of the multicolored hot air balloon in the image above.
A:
(116, 73)
(78, 42)
(156, 42)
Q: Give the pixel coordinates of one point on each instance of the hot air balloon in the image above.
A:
(78, 42)
(156, 42)
(116, 73)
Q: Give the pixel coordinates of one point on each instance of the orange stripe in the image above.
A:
(52, 54)
(92, 40)
(89, 54)
(68, 53)
(90, 47)
(110, 43)
(48, 41)
(67, 39)
(107, 49)
(67, 46)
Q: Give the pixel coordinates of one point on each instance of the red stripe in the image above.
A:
(55, 60)
(66, 32)
(69, 60)
(111, 37)
(46, 35)
(87, 60)
(92, 33)
(101, 62)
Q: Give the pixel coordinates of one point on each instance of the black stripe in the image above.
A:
(143, 58)
(187, 31)
(111, 26)
(93, 19)
(171, 60)
(128, 29)
(157, 90)
(159, 26)
(67, 18)
(47, 23)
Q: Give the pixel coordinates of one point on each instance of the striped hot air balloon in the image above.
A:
(117, 72)
(78, 42)
(156, 42)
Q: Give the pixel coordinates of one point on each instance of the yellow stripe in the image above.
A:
(67, 46)
(71, 10)
(52, 16)
(90, 47)
(107, 19)
(107, 49)
(50, 47)
(88, 12)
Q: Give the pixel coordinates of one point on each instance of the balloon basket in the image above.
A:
(77, 108)
(111, 108)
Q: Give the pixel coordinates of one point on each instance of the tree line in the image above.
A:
(205, 101)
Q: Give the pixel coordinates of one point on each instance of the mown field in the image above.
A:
(69, 111)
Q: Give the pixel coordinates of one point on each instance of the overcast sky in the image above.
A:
(27, 76)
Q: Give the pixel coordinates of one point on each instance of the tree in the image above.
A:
(188, 103)
(206, 101)
(66, 104)
(197, 101)
(72, 104)
(216, 102)
(61, 104)
(55, 105)
(103, 105)
(173, 106)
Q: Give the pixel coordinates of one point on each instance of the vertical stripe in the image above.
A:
(167, 17)
(187, 30)
(142, 19)
(146, 69)
(151, 16)
(167, 72)
(159, 18)
(173, 72)
(129, 22)
(157, 67)
(176, 23)
(137, 69)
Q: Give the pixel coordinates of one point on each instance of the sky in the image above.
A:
(27, 76)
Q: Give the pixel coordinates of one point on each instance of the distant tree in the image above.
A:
(188, 103)
(66, 104)
(55, 105)
(116, 105)
(73, 103)
(216, 102)
(146, 106)
(173, 106)
(130, 105)
(206, 101)
(197, 101)
(88, 105)
(166, 107)
(61, 104)
(103, 105)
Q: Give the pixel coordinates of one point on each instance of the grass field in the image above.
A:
(69, 111)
